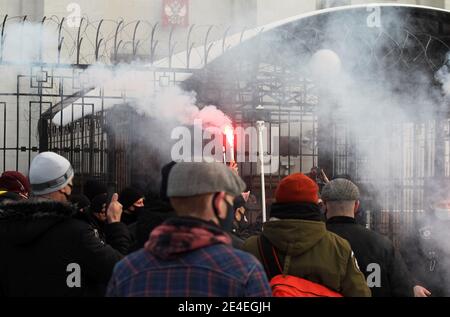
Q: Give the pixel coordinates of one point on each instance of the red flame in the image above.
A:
(229, 133)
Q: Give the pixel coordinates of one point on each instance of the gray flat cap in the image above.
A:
(340, 189)
(196, 178)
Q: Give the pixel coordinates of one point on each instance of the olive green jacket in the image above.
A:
(309, 251)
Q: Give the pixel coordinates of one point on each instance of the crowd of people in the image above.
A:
(197, 237)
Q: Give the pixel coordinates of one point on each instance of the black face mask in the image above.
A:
(227, 223)
(128, 218)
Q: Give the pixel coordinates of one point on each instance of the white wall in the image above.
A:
(32, 8)
(273, 10)
(431, 3)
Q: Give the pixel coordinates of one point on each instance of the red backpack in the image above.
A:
(288, 285)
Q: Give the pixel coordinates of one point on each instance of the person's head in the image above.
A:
(98, 207)
(131, 198)
(205, 191)
(51, 176)
(15, 182)
(341, 198)
(297, 188)
(93, 187)
(9, 197)
(81, 202)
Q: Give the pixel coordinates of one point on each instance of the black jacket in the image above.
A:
(39, 239)
(426, 251)
(371, 247)
(152, 215)
(95, 224)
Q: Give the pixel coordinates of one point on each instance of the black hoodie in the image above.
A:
(39, 239)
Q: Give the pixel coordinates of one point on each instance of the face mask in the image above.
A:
(442, 214)
(227, 223)
(128, 218)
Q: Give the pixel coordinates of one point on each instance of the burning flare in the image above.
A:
(229, 134)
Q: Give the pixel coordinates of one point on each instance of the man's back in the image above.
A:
(188, 268)
(372, 249)
(314, 254)
(39, 241)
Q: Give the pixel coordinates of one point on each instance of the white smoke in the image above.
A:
(28, 42)
(386, 99)
(136, 87)
(443, 76)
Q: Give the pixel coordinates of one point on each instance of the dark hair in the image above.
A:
(80, 201)
(97, 203)
(93, 187)
(128, 196)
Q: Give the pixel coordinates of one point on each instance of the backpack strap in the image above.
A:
(269, 257)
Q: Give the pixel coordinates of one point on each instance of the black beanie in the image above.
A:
(98, 202)
(81, 201)
(93, 188)
(128, 196)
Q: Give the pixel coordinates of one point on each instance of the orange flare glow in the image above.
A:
(229, 133)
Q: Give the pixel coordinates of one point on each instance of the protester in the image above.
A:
(132, 201)
(93, 188)
(426, 249)
(156, 210)
(8, 197)
(191, 254)
(48, 252)
(302, 244)
(14, 186)
(80, 202)
(381, 263)
(96, 217)
(242, 227)
(240, 221)
(98, 208)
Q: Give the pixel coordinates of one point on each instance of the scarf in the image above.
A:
(180, 235)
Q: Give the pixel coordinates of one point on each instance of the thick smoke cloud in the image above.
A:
(161, 108)
(393, 107)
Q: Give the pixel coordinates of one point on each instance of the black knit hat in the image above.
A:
(93, 188)
(80, 201)
(128, 196)
(98, 202)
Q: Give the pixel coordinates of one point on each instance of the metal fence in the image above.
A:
(40, 103)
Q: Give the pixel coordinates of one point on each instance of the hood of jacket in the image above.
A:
(294, 227)
(25, 221)
(293, 236)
